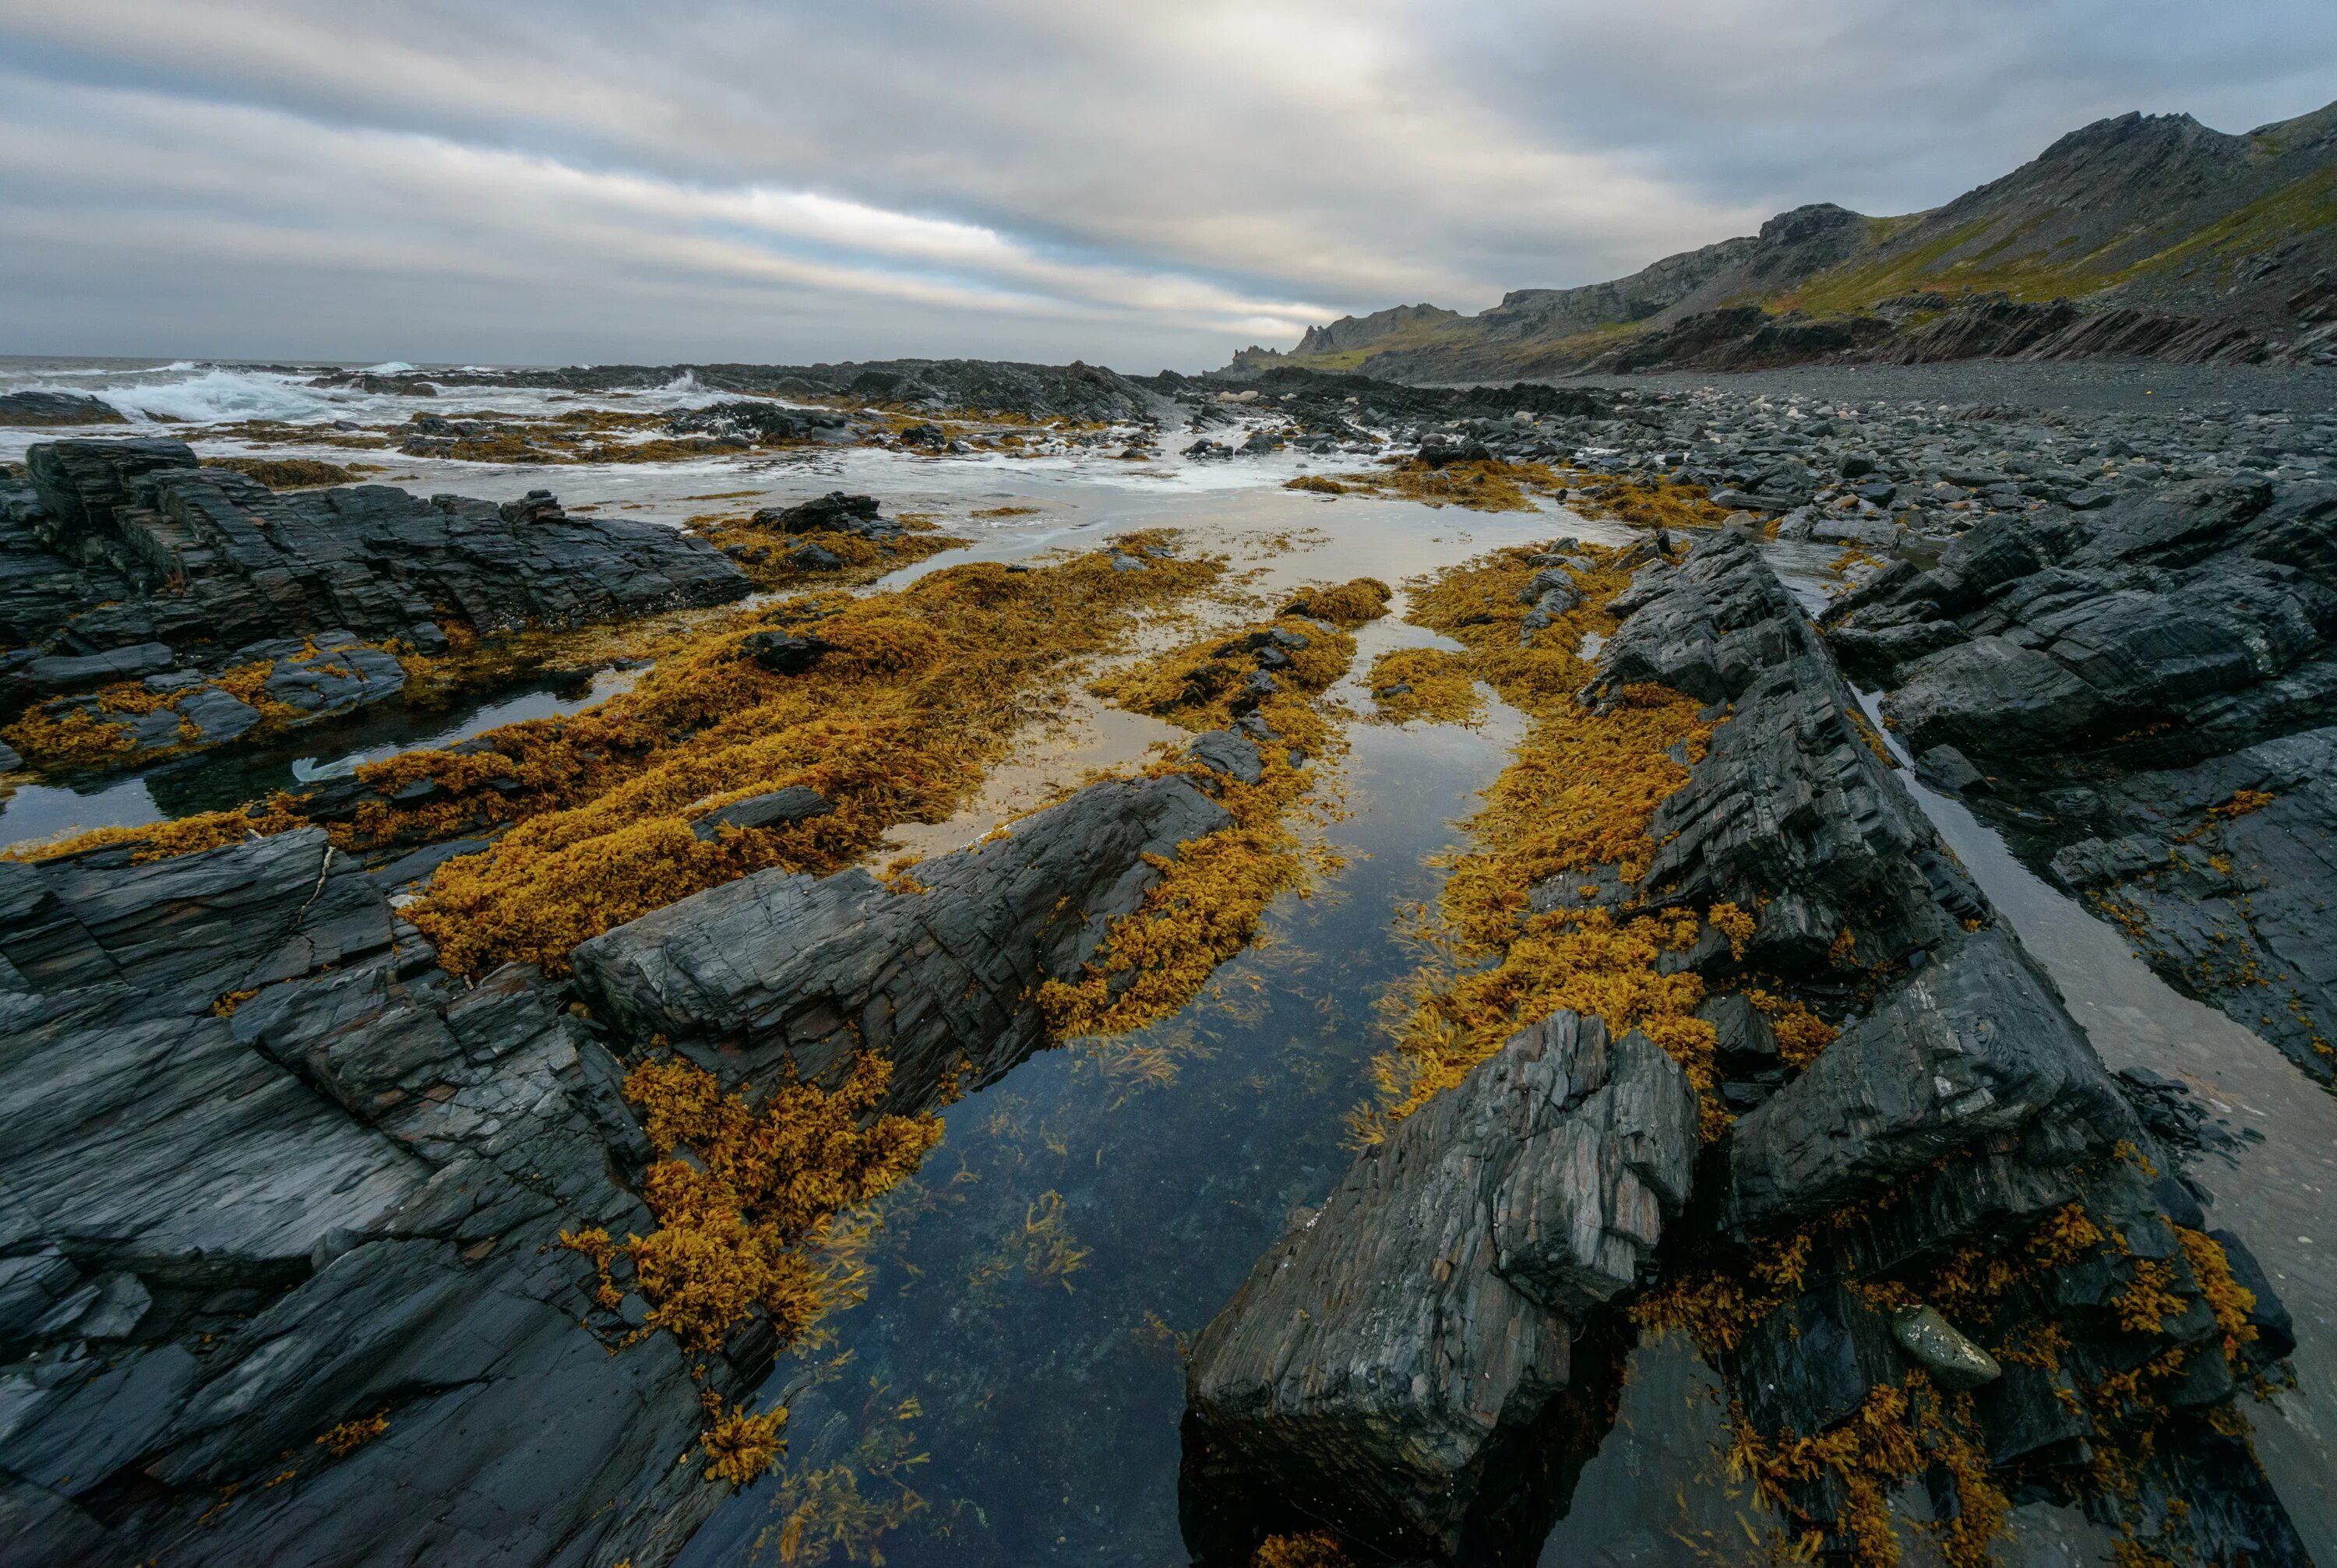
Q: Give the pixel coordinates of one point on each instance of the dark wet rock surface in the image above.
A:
(229, 1235)
(1959, 1106)
(269, 1170)
(1384, 1360)
(123, 559)
(779, 971)
(42, 408)
(2130, 686)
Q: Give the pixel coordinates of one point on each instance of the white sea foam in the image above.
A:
(188, 392)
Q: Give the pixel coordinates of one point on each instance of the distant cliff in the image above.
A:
(2140, 235)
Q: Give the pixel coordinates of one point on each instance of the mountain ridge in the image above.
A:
(2138, 234)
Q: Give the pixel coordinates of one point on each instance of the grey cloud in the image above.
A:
(1041, 178)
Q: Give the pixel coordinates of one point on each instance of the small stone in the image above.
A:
(1934, 1344)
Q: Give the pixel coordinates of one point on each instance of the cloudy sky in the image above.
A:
(1136, 183)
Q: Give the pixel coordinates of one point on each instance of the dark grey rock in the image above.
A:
(1988, 694)
(335, 1204)
(37, 409)
(778, 808)
(1382, 1352)
(782, 969)
(118, 544)
(1946, 769)
(1228, 753)
(2207, 887)
(783, 652)
(834, 513)
(1973, 1046)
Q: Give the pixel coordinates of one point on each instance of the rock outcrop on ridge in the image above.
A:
(277, 1193)
(2141, 693)
(1958, 1112)
(125, 559)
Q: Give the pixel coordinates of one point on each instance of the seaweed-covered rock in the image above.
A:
(780, 969)
(270, 1176)
(1380, 1357)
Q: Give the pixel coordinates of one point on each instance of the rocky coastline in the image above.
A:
(312, 1266)
(314, 1191)
(150, 604)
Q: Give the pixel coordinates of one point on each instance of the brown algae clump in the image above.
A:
(1347, 604)
(775, 560)
(901, 703)
(1208, 903)
(1485, 484)
(2000, 1293)
(1429, 683)
(744, 1199)
(1576, 799)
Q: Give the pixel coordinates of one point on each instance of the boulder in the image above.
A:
(1381, 1354)
(834, 513)
(39, 408)
(1973, 1046)
(780, 971)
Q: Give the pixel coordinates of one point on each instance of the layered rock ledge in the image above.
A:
(276, 1273)
(126, 560)
(2140, 694)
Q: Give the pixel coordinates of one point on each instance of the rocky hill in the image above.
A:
(2140, 235)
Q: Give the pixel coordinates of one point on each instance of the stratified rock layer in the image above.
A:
(267, 1171)
(1366, 1372)
(1392, 1342)
(116, 544)
(2186, 633)
(780, 971)
(228, 1229)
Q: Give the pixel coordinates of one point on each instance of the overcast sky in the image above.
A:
(1139, 184)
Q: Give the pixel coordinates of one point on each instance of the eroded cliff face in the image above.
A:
(1928, 1237)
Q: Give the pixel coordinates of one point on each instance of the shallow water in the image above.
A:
(1027, 1296)
(231, 776)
